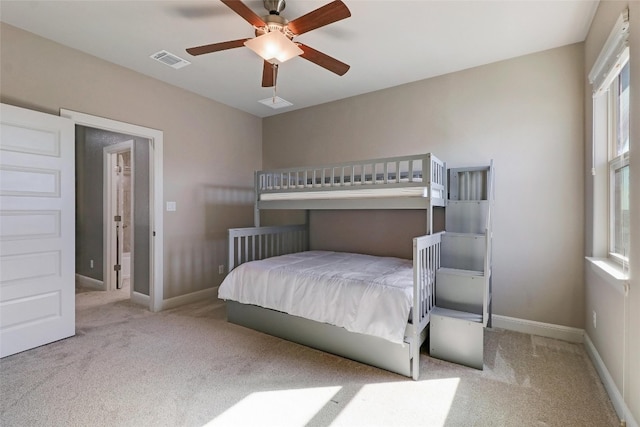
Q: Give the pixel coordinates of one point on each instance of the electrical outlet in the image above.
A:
(221, 269)
(91, 264)
(594, 318)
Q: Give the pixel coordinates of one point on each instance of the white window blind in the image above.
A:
(613, 56)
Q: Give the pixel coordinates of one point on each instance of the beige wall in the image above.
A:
(616, 314)
(210, 150)
(527, 115)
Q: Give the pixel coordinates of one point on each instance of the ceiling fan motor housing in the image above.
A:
(274, 23)
(274, 6)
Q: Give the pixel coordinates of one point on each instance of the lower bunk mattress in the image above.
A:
(361, 293)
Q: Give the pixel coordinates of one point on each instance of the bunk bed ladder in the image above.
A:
(463, 282)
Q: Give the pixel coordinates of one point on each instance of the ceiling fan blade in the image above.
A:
(241, 9)
(269, 74)
(215, 47)
(323, 60)
(327, 14)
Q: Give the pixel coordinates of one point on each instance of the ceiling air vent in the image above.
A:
(275, 102)
(170, 59)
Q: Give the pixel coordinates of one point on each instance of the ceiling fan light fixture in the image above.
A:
(274, 46)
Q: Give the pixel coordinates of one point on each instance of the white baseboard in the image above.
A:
(90, 283)
(548, 330)
(140, 299)
(612, 390)
(189, 298)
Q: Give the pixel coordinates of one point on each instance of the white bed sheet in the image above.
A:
(361, 293)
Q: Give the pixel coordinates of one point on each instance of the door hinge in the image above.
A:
(117, 267)
(117, 218)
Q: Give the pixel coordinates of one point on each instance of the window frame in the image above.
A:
(616, 162)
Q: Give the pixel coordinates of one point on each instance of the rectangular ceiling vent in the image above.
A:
(170, 59)
(275, 102)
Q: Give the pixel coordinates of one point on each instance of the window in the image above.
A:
(610, 79)
(619, 167)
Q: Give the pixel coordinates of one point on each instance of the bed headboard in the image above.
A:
(255, 243)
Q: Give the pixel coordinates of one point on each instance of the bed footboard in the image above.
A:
(256, 243)
(426, 261)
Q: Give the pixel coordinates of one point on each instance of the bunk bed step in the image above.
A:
(457, 336)
(467, 216)
(465, 251)
(461, 272)
(460, 290)
(457, 314)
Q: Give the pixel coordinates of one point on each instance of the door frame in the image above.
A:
(155, 138)
(108, 206)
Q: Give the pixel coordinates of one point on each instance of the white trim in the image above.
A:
(189, 298)
(609, 384)
(156, 197)
(611, 272)
(126, 261)
(548, 330)
(140, 299)
(89, 282)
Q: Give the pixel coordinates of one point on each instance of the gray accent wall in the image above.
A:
(90, 144)
(141, 260)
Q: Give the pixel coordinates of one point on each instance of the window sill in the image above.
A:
(611, 272)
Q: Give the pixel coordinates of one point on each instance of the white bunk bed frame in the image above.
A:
(409, 182)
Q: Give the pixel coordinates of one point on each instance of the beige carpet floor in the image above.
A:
(189, 367)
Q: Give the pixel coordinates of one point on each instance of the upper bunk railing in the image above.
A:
(405, 171)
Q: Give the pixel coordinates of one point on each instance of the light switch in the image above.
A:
(171, 206)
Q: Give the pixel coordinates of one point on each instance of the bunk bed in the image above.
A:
(262, 258)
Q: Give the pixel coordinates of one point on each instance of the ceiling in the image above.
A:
(386, 42)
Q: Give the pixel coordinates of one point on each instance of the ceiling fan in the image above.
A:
(273, 26)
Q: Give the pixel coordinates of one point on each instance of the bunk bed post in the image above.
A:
(230, 252)
(256, 195)
(489, 249)
(445, 182)
(427, 173)
(417, 311)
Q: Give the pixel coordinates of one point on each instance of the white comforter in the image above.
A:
(361, 293)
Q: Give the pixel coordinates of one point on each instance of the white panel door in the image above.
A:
(37, 229)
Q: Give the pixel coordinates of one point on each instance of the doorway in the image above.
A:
(148, 145)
